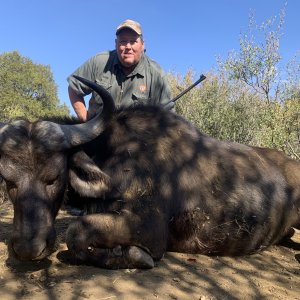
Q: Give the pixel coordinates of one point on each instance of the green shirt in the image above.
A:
(147, 83)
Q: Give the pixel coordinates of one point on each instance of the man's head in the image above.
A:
(129, 43)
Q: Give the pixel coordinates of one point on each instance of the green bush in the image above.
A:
(230, 111)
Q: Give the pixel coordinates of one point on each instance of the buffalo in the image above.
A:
(150, 182)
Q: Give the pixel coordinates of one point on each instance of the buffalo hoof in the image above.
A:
(138, 258)
(130, 257)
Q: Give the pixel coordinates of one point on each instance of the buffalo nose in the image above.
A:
(28, 250)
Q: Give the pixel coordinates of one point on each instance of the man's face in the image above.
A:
(130, 47)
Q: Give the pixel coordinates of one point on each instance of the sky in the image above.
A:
(179, 35)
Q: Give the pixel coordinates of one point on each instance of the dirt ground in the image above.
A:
(273, 274)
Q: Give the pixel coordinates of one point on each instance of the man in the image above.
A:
(126, 72)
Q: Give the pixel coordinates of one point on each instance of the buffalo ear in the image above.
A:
(86, 178)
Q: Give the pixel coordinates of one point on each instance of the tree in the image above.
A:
(290, 87)
(27, 89)
(256, 64)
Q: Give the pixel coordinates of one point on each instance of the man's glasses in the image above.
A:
(126, 42)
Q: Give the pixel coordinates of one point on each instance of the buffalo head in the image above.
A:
(33, 163)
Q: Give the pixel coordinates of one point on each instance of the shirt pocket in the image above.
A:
(105, 84)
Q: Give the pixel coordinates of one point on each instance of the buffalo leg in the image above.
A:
(131, 257)
(114, 241)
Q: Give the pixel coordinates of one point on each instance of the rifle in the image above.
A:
(202, 77)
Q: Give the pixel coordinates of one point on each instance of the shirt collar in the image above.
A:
(139, 69)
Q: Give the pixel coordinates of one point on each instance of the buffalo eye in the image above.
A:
(51, 181)
(10, 184)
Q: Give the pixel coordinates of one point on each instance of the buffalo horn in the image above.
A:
(82, 133)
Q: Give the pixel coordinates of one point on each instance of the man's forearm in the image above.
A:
(78, 104)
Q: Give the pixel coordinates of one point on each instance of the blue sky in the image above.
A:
(179, 35)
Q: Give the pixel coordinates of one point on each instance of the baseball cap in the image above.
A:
(133, 25)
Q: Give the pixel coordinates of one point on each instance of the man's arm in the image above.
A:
(166, 95)
(78, 104)
(160, 87)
